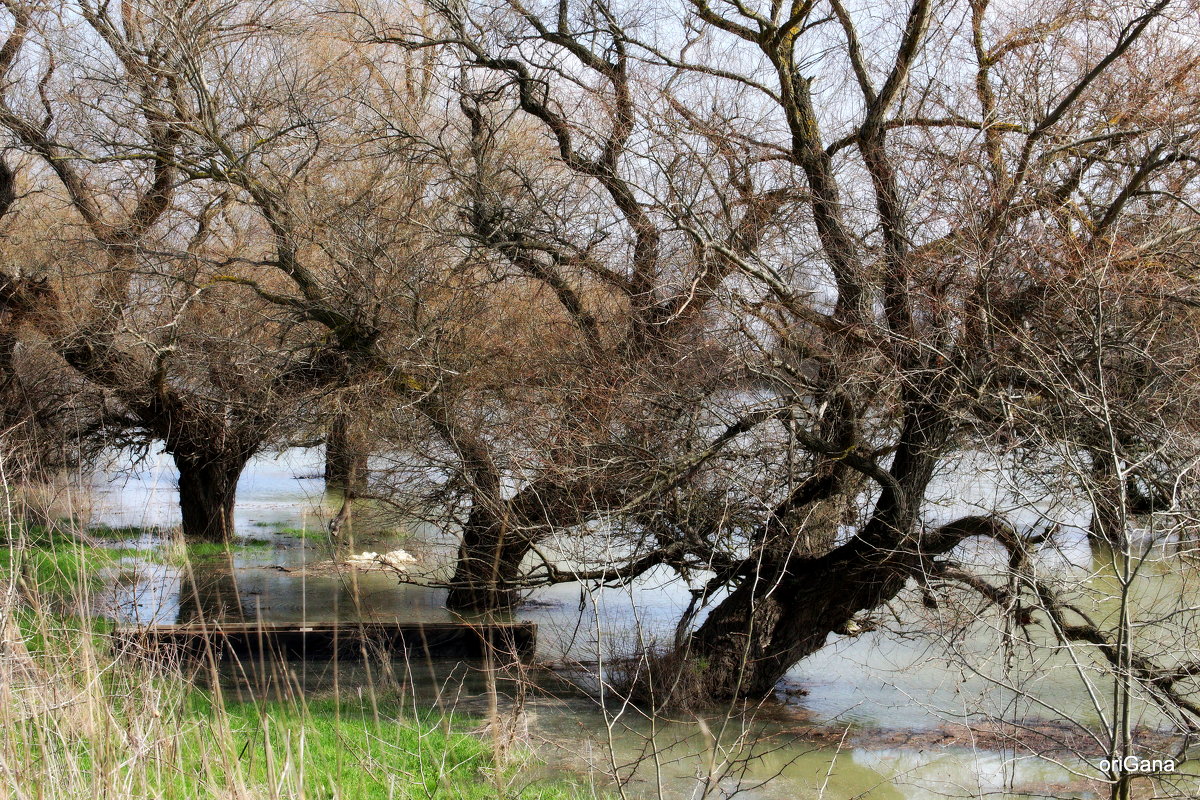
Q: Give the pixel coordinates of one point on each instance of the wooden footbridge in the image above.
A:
(329, 640)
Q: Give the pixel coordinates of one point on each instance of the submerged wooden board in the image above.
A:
(343, 640)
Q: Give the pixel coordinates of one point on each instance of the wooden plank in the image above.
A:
(344, 640)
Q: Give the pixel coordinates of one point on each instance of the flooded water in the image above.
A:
(870, 716)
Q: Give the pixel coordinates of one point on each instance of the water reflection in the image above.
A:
(878, 681)
(209, 591)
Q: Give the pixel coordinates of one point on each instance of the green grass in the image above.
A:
(82, 721)
(43, 634)
(169, 548)
(51, 571)
(327, 748)
(203, 550)
(103, 726)
(125, 531)
(315, 532)
(52, 563)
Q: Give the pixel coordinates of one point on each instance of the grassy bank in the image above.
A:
(61, 558)
(80, 724)
(82, 721)
(52, 564)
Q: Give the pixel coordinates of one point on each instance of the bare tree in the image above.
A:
(720, 293)
(939, 171)
(95, 94)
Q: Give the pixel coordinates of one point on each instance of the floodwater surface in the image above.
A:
(875, 716)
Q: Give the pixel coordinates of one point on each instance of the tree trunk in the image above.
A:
(776, 618)
(26, 447)
(1107, 528)
(489, 563)
(207, 491)
(346, 452)
(786, 606)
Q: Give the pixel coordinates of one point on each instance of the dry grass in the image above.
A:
(81, 720)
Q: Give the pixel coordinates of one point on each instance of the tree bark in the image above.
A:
(346, 454)
(31, 447)
(785, 607)
(488, 566)
(207, 492)
(16, 447)
(1107, 528)
(774, 620)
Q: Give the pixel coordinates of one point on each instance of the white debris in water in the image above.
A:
(397, 560)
